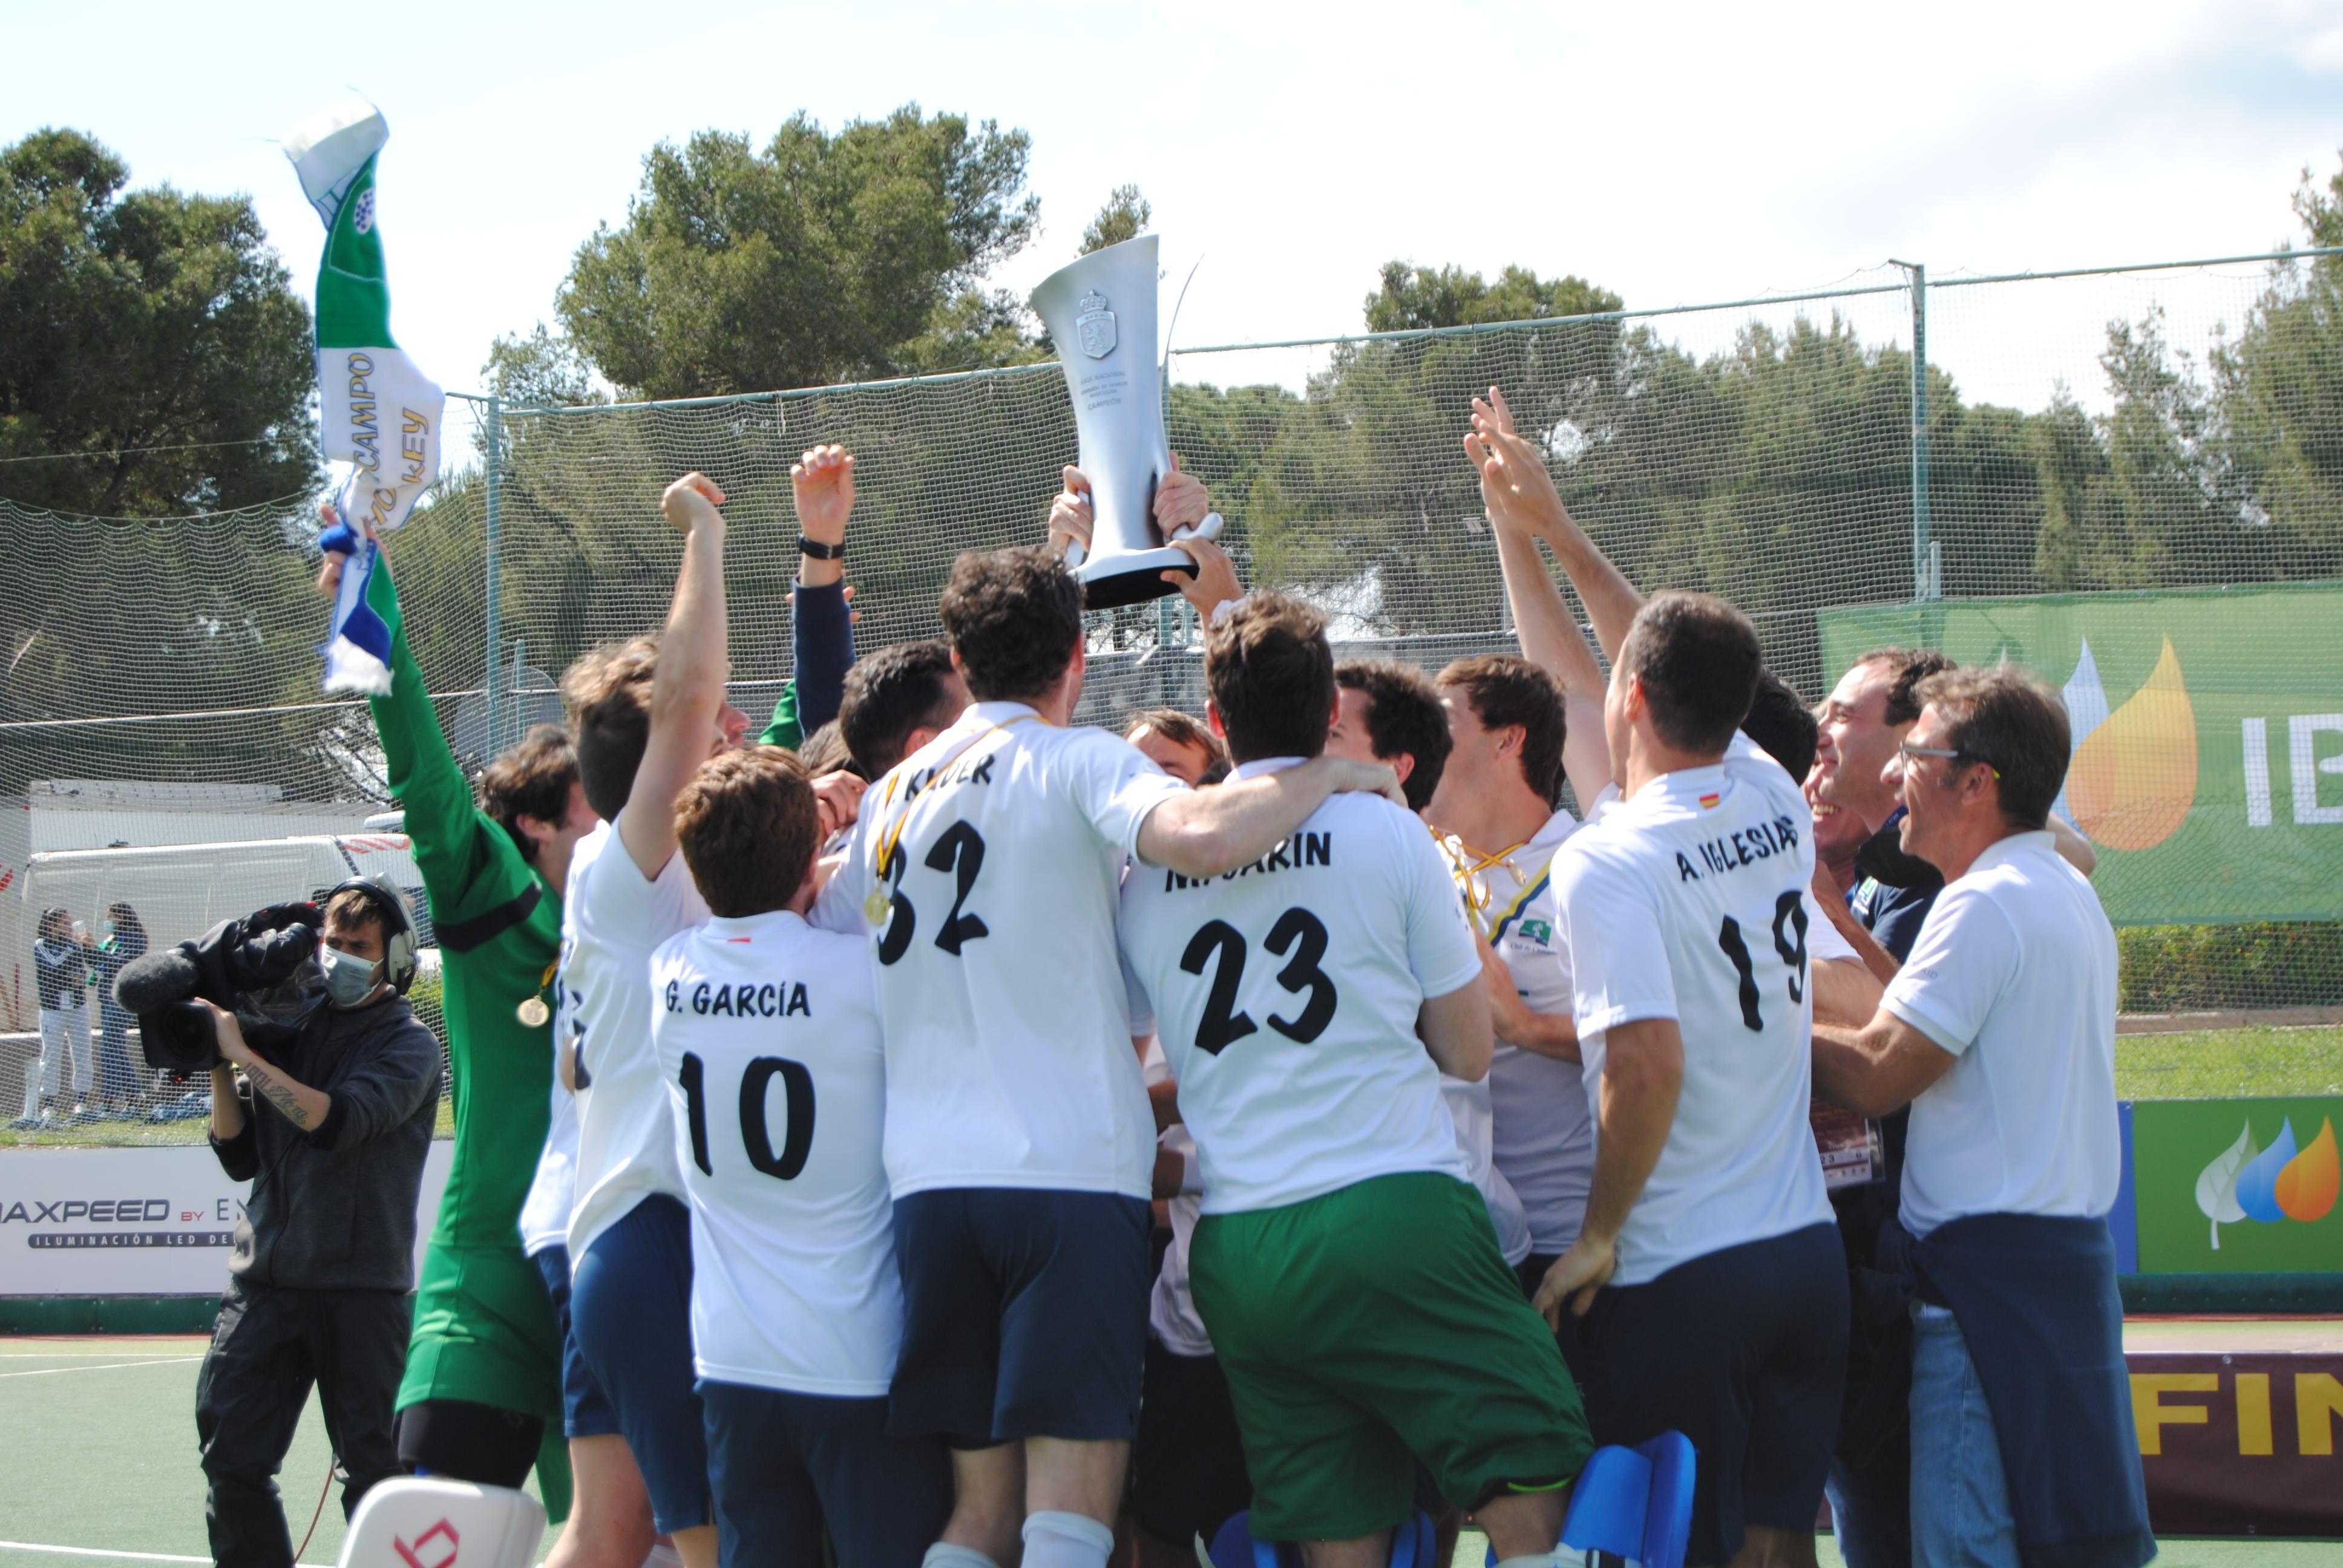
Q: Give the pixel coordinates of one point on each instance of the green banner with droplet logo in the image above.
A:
(2208, 766)
(2238, 1186)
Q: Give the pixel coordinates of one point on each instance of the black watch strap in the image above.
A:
(819, 551)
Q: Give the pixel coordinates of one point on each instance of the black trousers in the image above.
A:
(269, 1347)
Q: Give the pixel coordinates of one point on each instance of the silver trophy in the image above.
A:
(1100, 313)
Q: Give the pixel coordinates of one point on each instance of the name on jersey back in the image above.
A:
(768, 999)
(1744, 847)
(1301, 850)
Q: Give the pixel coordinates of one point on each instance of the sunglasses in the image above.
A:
(1908, 749)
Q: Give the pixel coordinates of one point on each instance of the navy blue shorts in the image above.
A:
(1743, 1350)
(584, 1410)
(631, 1306)
(782, 1463)
(1024, 1316)
(1188, 1469)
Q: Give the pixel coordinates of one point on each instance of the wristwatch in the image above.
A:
(819, 551)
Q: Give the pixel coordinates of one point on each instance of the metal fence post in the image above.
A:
(1925, 583)
(494, 574)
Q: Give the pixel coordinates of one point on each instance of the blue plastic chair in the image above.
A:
(1634, 1503)
(1413, 1545)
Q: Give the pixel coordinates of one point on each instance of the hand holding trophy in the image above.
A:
(1100, 313)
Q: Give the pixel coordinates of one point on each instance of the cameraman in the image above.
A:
(325, 1249)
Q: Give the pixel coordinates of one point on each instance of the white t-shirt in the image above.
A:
(1468, 1108)
(766, 1032)
(1009, 1059)
(611, 921)
(1172, 1314)
(1688, 902)
(1286, 993)
(1542, 1134)
(545, 1212)
(2014, 974)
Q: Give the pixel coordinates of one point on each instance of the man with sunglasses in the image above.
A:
(1999, 1031)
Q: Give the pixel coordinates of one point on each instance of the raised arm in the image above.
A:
(688, 691)
(1205, 832)
(821, 633)
(1527, 490)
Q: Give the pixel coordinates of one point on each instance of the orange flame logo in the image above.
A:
(2133, 773)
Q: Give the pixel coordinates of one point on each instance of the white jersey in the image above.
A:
(1468, 1108)
(611, 921)
(553, 1192)
(1688, 902)
(1541, 1133)
(2015, 975)
(1009, 1057)
(766, 1032)
(1172, 1314)
(1286, 993)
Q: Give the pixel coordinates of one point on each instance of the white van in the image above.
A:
(182, 890)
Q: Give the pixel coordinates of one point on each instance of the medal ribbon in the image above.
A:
(895, 834)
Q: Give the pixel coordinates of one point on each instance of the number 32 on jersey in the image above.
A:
(959, 853)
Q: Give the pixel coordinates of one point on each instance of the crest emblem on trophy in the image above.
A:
(1118, 394)
(1094, 328)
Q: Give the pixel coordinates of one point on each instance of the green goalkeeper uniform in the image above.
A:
(484, 1331)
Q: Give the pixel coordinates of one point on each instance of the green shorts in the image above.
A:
(1371, 1327)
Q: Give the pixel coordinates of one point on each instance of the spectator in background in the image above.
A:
(124, 943)
(1180, 745)
(61, 974)
(1999, 1034)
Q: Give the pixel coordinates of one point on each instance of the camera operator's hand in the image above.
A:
(304, 1107)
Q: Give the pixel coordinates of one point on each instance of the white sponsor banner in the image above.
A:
(155, 1222)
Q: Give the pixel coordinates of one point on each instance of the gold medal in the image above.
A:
(874, 907)
(534, 1012)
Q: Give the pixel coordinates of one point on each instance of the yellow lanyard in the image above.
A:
(894, 835)
(1477, 898)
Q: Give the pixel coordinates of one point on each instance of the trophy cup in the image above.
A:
(1100, 313)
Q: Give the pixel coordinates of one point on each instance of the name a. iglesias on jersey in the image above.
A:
(1301, 850)
(1746, 846)
(771, 999)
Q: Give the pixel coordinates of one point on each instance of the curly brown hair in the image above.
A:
(1015, 617)
(1272, 676)
(532, 779)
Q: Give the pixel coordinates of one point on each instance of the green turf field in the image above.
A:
(102, 1467)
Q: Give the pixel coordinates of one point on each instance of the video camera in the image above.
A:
(263, 967)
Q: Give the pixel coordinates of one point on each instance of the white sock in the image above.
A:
(1066, 1541)
(944, 1554)
(663, 1557)
(1537, 1560)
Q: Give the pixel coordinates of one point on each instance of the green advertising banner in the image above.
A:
(2238, 1186)
(2207, 728)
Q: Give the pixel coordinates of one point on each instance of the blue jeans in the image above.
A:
(1960, 1501)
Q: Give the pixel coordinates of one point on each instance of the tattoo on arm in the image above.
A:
(279, 1095)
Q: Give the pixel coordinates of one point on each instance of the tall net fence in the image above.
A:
(2140, 431)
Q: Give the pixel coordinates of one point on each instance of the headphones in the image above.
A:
(397, 924)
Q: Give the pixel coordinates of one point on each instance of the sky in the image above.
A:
(1677, 154)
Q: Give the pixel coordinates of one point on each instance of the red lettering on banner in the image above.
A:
(413, 1553)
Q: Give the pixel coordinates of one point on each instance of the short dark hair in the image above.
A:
(1015, 617)
(1177, 727)
(825, 751)
(1781, 724)
(1272, 676)
(891, 692)
(747, 827)
(1696, 658)
(1405, 718)
(1907, 668)
(532, 779)
(354, 908)
(608, 694)
(1505, 689)
(2003, 716)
